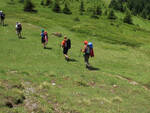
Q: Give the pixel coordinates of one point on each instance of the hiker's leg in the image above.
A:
(20, 34)
(86, 60)
(66, 56)
(3, 22)
(45, 45)
(17, 32)
(65, 51)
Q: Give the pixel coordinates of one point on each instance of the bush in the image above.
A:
(28, 6)
(56, 7)
(128, 18)
(66, 10)
(112, 15)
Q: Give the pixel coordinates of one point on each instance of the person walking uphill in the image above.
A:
(88, 51)
(18, 29)
(43, 41)
(2, 16)
(66, 45)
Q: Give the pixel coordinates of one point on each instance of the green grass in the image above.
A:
(28, 72)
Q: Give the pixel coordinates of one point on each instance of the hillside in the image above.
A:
(33, 79)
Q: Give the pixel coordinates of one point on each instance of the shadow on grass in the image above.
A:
(5, 25)
(23, 38)
(48, 48)
(72, 60)
(91, 68)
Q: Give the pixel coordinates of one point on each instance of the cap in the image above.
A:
(85, 42)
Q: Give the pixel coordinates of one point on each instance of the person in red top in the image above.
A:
(65, 48)
(86, 54)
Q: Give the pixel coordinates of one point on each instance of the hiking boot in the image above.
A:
(87, 66)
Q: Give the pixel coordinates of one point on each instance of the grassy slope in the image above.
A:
(27, 69)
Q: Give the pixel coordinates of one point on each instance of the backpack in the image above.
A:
(91, 51)
(2, 15)
(46, 38)
(87, 50)
(42, 35)
(19, 27)
(69, 44)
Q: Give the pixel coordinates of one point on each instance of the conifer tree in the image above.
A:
(82, 7)
(112, 15)
(56, 7)
(66, 10)
(28, 6)
(128, 17)
(98, 10)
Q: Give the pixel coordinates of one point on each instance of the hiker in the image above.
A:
(88, 51)
(46, 37)
(66, 45)
(2, 15)
(18, 29)
(43, 41)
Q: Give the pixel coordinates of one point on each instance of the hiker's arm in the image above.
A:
(83, 49)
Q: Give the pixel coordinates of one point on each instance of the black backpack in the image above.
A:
(69, 44)
(87, 50)
(2, 15)
(19, 27)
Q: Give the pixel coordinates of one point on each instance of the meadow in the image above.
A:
(33, 79)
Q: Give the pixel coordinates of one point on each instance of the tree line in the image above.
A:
(137, 7)
(95, 9)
